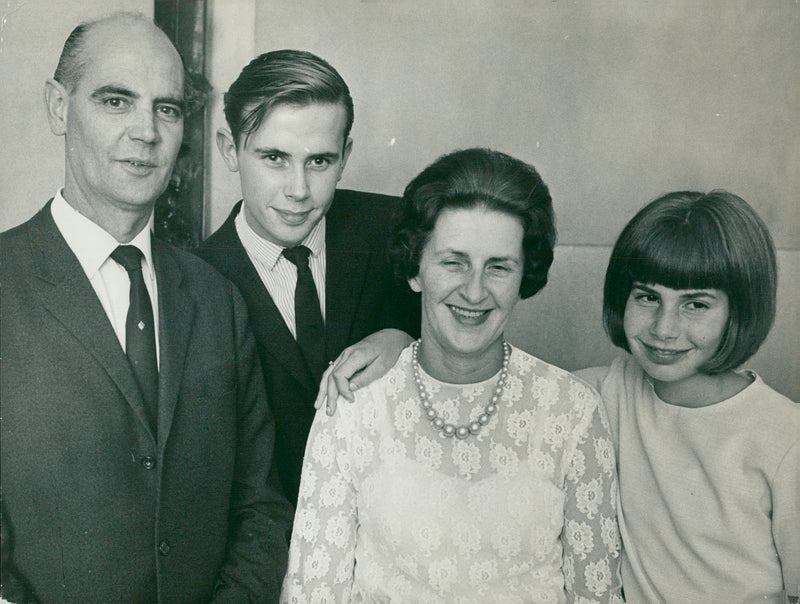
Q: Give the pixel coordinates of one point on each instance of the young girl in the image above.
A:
(708, 454)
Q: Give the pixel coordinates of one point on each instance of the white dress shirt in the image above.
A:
(92, 245)
(279, 275)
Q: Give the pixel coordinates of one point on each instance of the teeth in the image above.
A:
(665, 352)
(469, 314)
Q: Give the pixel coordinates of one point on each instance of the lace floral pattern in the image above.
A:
(390, 510)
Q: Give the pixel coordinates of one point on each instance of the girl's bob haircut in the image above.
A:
(691, 240)
(478, 178)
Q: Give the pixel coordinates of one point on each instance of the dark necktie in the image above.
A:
(140, 334)
(308, 321)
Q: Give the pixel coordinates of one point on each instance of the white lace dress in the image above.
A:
(392, 511)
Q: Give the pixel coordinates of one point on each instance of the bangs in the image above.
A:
(683, 256)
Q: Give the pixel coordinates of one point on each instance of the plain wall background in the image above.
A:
(32, 34)
(614, 102)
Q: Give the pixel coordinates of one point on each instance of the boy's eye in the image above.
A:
(320, 162)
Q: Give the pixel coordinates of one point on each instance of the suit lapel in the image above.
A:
(69, 296)
(347, 261)
(176, 311)
(266, 320)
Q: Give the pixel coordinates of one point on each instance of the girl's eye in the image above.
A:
(696, 305)
(646, 298)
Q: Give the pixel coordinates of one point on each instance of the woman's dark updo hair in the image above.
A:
(478, 178)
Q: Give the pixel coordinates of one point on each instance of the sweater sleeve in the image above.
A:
(786, 518)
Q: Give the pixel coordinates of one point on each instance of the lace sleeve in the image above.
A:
(591, 536)
(322, 551)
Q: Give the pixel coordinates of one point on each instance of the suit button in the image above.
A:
(164, 548)
(148, 463)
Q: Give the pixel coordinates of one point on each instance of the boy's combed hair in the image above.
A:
(691, 240)
(282, 77)
(478, 178)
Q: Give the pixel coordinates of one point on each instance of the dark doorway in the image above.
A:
(179, 211)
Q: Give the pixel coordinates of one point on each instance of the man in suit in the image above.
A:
(289, 115)
(136, 438)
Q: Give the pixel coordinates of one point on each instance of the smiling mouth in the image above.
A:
(663, 354)
(293, 218)
(138, 165)
(467, 314)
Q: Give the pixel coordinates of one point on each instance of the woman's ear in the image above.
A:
(413, 283)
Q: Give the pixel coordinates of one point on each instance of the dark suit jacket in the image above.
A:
(361, 297)
(97, 509)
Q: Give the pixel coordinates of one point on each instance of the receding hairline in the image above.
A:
(134, 20)
(75, 57)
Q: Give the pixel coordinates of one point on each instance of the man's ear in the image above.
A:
(413, 283)
(348, 147)
(227, 149)
(56, 102)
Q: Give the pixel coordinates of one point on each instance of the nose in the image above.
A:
(143, 126)
(296, 187)
(473, 289)
(665, 325)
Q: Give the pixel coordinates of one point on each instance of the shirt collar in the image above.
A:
(267, 252)
(90, 243)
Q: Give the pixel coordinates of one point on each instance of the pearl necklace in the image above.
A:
(437, 422)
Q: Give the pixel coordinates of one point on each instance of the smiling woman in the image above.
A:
(471, 471)
(469, 275)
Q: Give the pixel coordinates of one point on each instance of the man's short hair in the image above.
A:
(282, 77)
(478, 178)
(72, 62)
(691, 240)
